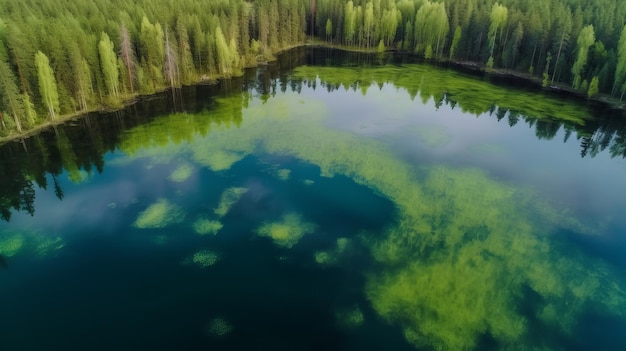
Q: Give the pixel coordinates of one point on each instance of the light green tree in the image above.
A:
(108, 62)
(594, 87)
(329, 29)
(455, 41)
(47, 84)
(585, 40)
(620, 70)
(499, 15)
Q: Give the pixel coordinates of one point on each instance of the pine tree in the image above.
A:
(47, 84)
(585, 40)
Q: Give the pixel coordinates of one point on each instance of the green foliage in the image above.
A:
(108, 62)
(381, 47)
(47, 84)
(593, 87)
(147, 57)
(585, 40)
(455, 41)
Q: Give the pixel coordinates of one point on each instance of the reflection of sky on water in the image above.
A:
(423, 134)
(109, 202)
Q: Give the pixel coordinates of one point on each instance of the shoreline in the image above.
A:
(470, 66)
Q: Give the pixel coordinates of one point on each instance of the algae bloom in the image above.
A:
(229, 197)
(287, 232)
(206, 226)
(332, 256)
(350, 318)
(203, 258)
(159, 215)
(11, 245)
(181, 173)
(219, 327)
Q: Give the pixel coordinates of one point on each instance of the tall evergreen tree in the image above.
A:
(108, 62)
(585, 40)
(47, 84)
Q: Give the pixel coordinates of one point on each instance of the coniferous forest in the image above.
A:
(67, 57)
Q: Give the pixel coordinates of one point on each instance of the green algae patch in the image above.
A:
(11, 245)
(159, 215)
(31, 243)
(456, 270)
(332, 256)
(350, 318)
(466, 257)
(203, 258)
(229, 198)
(283, 174)
(45, 245)
(288, 231)
(219, 327)
(205, 226)
(181, 173)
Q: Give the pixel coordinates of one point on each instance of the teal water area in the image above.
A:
(331, 200)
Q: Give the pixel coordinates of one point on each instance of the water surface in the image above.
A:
(329, 201)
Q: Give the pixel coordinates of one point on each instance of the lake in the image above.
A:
(328, 201)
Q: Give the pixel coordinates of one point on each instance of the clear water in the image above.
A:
(352, 203)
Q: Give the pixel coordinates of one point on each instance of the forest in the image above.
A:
(69, 57)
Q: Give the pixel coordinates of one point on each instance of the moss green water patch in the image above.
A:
(333, 255)
(229, 197)
(283, 174)
(219, 327)
(350, 317)
(181, 173)
(205, 226)
(48, 245)
(288, 231)
(11, 244)
(159, 215)
(454, 266)
(34, 244)
(203, 258)
(470, 254)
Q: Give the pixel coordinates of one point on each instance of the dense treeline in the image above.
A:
(61, 57)
(578, 42)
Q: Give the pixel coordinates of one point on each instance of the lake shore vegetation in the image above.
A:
(60, 60)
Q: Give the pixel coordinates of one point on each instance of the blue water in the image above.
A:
(86, 277)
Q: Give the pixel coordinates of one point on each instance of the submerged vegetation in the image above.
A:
(203, 258)
(206, 226)
(229, 197)
(32, 243)
(288, 231)
(467, 258)
(159, 215)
